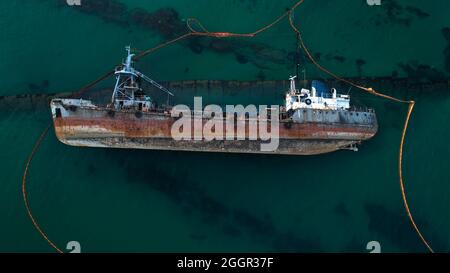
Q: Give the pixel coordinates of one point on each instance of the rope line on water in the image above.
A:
(204, 32)
(24, 190)
(136, 58)
(402, 186)
(410, 103)
(192, 32)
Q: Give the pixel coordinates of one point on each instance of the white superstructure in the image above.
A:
(316, 98)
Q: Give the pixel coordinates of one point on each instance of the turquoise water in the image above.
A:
(152, 201)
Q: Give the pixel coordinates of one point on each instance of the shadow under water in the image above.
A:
(392, 227)
(194, 200)
(167, 23)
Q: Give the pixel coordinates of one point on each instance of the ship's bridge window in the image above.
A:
(58, 112)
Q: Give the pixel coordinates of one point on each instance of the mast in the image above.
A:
(297, 56)
(127, 81)
(297, 61)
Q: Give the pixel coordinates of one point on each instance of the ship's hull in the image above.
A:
(309, 132)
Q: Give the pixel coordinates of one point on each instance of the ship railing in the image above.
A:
(352, 108)
(361, 109)
(125, 97)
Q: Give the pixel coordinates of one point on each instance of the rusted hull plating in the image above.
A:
(99, 127)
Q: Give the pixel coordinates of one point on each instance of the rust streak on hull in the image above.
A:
(99, 127)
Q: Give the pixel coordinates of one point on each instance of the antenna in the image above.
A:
(297, 55)
(304, 77)
(297, 61)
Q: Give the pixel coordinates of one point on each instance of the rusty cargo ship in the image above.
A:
(312, 121)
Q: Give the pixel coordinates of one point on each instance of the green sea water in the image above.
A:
(153, 201)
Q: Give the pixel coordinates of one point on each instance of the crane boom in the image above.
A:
(153, 82)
